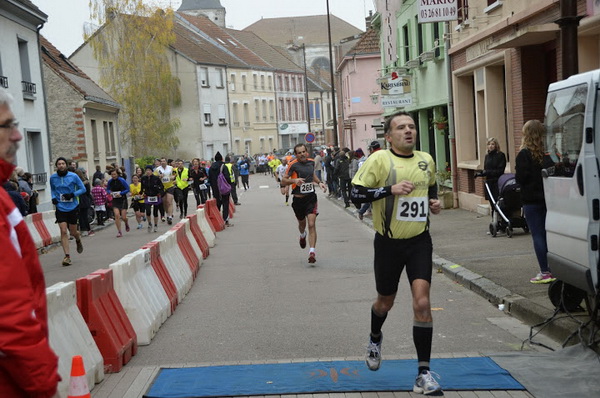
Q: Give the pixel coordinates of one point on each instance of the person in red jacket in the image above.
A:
(28, 366)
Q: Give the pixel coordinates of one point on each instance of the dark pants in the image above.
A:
(223, 200)
(346, 187)
(84, 224)
(200, 195)
(233, 193)
(100, 217)
(245, 182)
(535, 215)
(181, 199)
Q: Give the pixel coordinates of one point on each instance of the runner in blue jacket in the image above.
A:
(66, 187)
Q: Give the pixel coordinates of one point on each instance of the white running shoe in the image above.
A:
(373, 359)
(426, 384)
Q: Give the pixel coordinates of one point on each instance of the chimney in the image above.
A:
(368, 19)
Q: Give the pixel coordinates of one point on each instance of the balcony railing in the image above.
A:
(28, 87)
(4, 81)
(40, 178)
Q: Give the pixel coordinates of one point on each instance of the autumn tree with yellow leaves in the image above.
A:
(131, 47)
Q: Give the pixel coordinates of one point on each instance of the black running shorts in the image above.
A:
(305, 205)
(119, 203)
(392, 255)
(70, 217)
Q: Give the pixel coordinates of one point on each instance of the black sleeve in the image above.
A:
(360, 194)
(432, 193)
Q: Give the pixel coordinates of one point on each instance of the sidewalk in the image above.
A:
(497, 268)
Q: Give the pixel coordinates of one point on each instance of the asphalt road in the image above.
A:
(257, 298)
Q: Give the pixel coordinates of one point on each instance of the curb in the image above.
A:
(560, 329)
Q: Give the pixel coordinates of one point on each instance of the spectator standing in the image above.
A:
(328, 162)
(342, 170)
(216, 168)
(231, 167)
(28, 366)
(65, 188)
(373, 147)
(98, 174)
(99, 198)
(318, 165)
(531, 159)
(33, 199)
(85, 204)
(493, 167)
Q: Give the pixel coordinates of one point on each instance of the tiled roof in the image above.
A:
(368, 44)
(200, 5)
(200, 50)
(32, 6)
(312, 29)
(267, 52)
(73, 76)
(224, 39)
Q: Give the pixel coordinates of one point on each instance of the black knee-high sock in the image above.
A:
(422, 337)
(377, 321)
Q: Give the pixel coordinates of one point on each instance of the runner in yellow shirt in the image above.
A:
(401, 184)
(137, 200)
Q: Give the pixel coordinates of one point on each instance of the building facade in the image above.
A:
(21, 75)
(359, 74)
(83, 119)
(504, 54)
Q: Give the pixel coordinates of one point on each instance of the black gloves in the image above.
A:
(54, 201)
(68, 196)
(479, 173)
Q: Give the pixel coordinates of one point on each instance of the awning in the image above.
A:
(528, 36)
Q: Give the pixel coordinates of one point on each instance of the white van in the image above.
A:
(572, 187)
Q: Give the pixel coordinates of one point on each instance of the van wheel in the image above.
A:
(493, 230)
(568, 297)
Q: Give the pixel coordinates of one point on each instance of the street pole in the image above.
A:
(306, 87)
(335, 128)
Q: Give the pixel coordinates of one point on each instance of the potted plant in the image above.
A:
(444, 182)
(440, 122)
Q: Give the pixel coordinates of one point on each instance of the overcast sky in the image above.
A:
(66, 18)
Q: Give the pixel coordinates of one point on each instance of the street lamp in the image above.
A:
(335, 132)
(295, 47)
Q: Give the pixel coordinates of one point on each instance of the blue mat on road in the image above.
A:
(479, 373)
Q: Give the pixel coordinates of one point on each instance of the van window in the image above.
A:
(564, 127)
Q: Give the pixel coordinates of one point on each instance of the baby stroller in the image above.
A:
(508, 212)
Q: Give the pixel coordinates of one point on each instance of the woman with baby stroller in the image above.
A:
(493, 168)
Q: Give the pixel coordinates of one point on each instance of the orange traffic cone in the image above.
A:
(78, 386)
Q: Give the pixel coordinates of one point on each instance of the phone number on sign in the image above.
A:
(438, 13)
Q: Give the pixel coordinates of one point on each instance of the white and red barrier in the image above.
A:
(205, 227)
(141, 289)
(69, 335)
(52, 227)
(141, 294)
(175, 263)
(38, 241)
